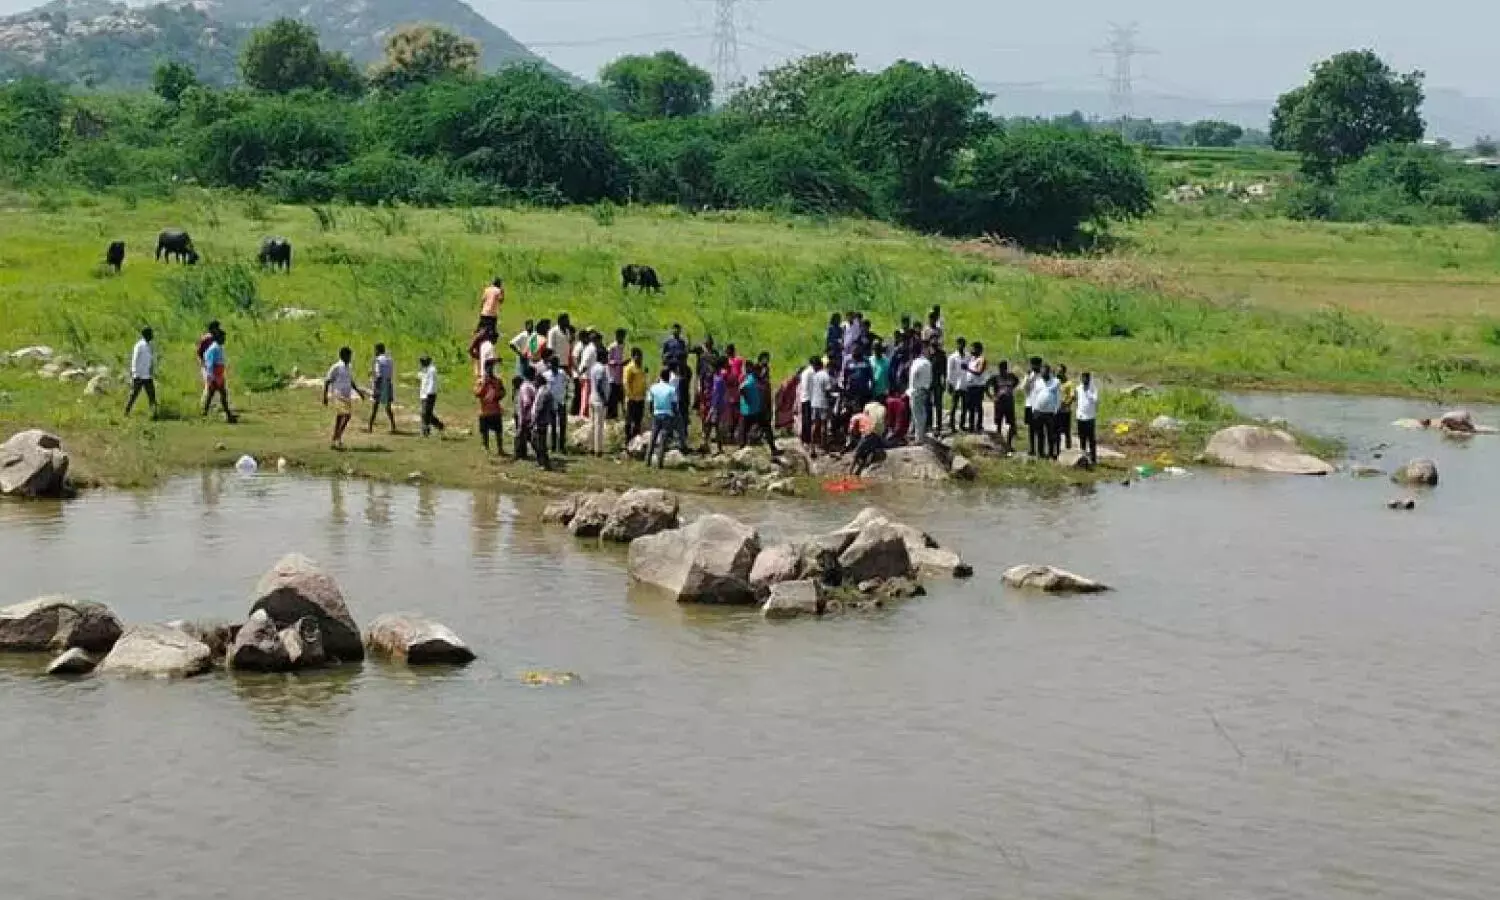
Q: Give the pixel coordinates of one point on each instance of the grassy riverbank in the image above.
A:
(1162, 310)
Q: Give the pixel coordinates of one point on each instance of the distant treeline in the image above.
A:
(910, 144)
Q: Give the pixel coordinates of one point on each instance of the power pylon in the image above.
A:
(1123, 47)
(726, 47)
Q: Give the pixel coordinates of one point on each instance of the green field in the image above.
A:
(1198, 302)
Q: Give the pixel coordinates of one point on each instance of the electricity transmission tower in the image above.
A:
(726, 47)
(1123, 47)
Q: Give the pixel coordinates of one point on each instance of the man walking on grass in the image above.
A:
(143, 372)
(383, 387)
(340, 383)
(427, 392)
(216, 365)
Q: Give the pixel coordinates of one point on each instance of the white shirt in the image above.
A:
(818, 388)
(598, 384)
(1088, 401)
(142, 360)
(558, 340)
(1046, 395)
(428, 386)
(919, 376)
(486, 353)
(520, 341)
(557, 383)
(804, 385)
(587, 356)
(958, 371)
(340, 380)
(1028, 385)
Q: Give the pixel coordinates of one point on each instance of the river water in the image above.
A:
(1291, 694)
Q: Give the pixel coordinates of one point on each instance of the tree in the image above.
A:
(171, 80)
(1213, 133)
(792, 169)
(784, 95)
(285, 56)
(31, 114)
(1354, 102)
(1040, 185)
(905, 126)
(415, 54)
(661, 86)
(1486, 146)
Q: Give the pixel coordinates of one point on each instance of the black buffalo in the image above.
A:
(276, 252)
(114, 257)
(643, 277)
(173, 243)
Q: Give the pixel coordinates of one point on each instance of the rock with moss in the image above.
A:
(296, 588)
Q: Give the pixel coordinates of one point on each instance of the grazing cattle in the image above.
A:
(276, 252)
(173, 243)
(114, 257)
(643, 277)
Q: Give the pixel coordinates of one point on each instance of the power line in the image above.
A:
(619, 39)
(726, 46)
(1123, 47)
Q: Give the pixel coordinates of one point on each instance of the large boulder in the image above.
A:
(1051, 579)
(790, 599)
(295, 588)
(915, 463)
(938, 562)
(640, 512)
(257, 646)
(1417, 472)
(1263, 449)
(157, 651)
(776, 564)
(73, 662)
(1458, 421)
(416, 641)
(33, 464)
(57, 623)
(561, 512)
(709, 561)
(877, 553)
(593, 511)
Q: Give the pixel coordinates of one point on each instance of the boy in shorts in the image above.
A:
(340, 383)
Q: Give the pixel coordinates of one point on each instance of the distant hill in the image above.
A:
(99, 43)
(1450, 114)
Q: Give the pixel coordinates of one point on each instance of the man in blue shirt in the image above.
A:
(662, 400)
(755, 407)
(674, 349)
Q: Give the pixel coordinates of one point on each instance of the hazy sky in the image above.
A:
(1256, 52)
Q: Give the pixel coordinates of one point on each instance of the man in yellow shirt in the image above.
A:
(635, 380)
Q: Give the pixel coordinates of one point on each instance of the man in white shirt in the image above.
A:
(919, 390)
(520, 345)
(598, 391)
(586, 354)
(820, 403)
(427, 391)
(340, 383)
(1034, 434)
(958, 381)
(1087, 415)
(557, 384)
(143, 372)
(383, 386)
(1046, 400)
(804, 402)
(560, 340)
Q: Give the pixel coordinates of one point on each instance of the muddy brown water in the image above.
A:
(1292, 694)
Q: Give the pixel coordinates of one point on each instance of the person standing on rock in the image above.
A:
(717, 401)
(490, 392)
(804, 402)
(216, 364)
(383, 387)
(820, 401)
(544, 412)
(427, 386)
(919, 392)
(957, 380)
(520, 345)
(755, 408)
(1064, 422)
(525, 393)
(1005, 405)
(1046, 400)
(489, 305)
(583, 387)
(663, 399)
(976, 380)
(598, 379)
(635, 380)
(340, 383)
(1087, 398)
(1034, 434)
(143, 371)
(557, 385)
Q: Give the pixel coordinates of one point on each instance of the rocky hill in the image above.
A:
(108, 44)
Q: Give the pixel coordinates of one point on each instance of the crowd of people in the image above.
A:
(864, 393)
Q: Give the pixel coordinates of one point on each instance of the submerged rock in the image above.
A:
(296, 588)
(561, 512)
(257, 646)
(33, 464)
(1417, 472)
(878, 552)
(709, 561)
(1051, 579)
(592, 512)
(304, 644)
(416, 641)
(157, 651)
(57, 623)
(640, 512)
(1263, 449)
(73, 662)
(1402, 503)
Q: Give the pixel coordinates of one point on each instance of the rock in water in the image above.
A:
(878, 552)
(1052, 580)
(258, 647)
(1402, 503)
(304, 644)
(416, 641)
(57, 623)
(640, 512)
(776, 564)
(157, 651)
(593, 511)
(295, 588)
(73, 662)
(1417, 472)
(1459, 421)
(709, 561)
(918, 463)
(33, 464)
(561, 512)
(790, 599)
(939, 562)
(1263, 449)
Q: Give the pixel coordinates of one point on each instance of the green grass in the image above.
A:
(1217, 307)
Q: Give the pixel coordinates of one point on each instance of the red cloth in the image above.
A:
(897, 416)
(786, 404)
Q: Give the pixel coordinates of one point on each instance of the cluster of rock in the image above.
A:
(620, 518)
(718, 560)
(299, 620)
(52, 365)
(34, 464)
(1455, 423)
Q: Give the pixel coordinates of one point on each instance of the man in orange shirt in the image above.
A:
(490, 303)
